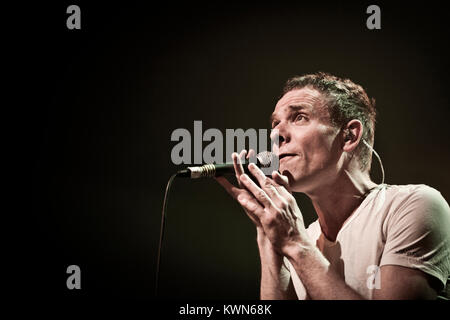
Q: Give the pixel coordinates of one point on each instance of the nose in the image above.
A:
(280, 135)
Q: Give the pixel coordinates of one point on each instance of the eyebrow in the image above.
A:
(291, 108)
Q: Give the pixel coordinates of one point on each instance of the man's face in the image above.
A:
(309, 150)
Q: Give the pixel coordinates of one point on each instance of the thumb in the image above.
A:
(281, 180)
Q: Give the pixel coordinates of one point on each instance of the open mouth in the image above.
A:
(286, 155)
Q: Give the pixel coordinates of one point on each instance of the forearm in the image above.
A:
(320, 281)
(275, 277)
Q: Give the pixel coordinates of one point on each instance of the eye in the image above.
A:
(299, 117)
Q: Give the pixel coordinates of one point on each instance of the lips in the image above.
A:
(285, 155)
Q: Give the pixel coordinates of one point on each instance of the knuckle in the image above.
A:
(267, 183)
(250, 206)
(284, 205)
(280, 188)
(291, 200)
(247, 205)
(260, 194)
(274, 190)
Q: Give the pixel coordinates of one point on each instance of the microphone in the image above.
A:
(263, 160)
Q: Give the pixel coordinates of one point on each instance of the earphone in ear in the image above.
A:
(348, 135)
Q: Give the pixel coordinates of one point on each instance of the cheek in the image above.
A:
(317, 146)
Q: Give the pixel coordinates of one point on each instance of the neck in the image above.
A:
(335, 202)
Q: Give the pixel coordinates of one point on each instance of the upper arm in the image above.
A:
(415, 262)
(397, 282)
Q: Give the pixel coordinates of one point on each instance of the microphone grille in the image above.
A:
(265, 158)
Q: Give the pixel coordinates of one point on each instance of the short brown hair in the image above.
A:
(346, 100)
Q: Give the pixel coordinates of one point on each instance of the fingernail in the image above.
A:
(244, 177)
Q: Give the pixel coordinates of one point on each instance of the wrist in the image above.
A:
(296, 250)
(267, 252)
(261, 237)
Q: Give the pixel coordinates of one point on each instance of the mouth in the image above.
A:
(286, 156)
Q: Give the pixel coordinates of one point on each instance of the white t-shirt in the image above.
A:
(395, 225)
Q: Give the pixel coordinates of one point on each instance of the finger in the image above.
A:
(281, 180)
(242, 155)
(251, 156)
(237, 164)
(283, 186)
(252, 207)
(257, 192)
(268, 185)
(265, 183)
(257, 173)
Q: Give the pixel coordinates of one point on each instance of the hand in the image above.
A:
(271, 207)
(275, 208)
(241, 191)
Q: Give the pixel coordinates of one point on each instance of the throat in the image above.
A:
(330, 230)
(333, 217)
(336, 202)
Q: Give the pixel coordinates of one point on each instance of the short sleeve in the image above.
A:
(418, 233)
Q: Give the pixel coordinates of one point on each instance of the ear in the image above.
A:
(352, 134)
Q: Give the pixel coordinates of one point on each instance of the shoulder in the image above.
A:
(415, 196)
(417, 204)
(413, 190)
(416, 230)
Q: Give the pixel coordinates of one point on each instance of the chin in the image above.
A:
(296, 182)
(293, 181)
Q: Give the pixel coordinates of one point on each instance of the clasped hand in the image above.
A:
(270, 206)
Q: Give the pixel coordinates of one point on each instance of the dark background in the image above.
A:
(95, 126)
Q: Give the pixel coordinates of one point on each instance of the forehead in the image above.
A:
(309, 99)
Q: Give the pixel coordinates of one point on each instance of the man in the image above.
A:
(370, 241)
